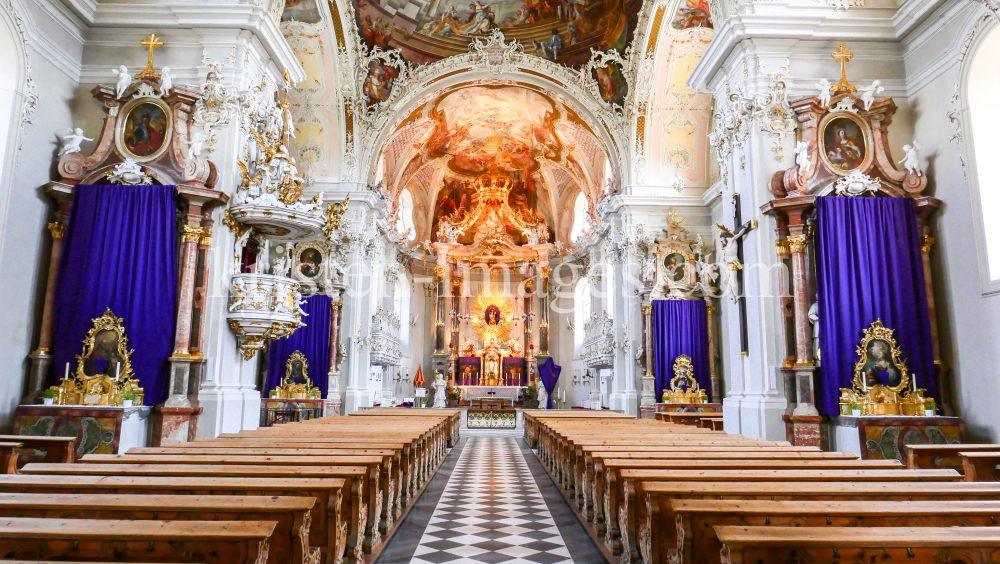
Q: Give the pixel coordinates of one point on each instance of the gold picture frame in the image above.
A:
(141, 140)
(684, 372)
(877, 338)
(830, 129)
(296, 365)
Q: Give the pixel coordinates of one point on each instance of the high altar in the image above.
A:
(508, 243)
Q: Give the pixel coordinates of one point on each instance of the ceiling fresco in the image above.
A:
(469, 132)
(559, 30)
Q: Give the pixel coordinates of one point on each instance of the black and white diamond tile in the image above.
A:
(491, 512)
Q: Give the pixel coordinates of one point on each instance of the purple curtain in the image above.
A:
(680, 327)
(313, 341)
(473, 378)
(869, 267)
(509, 363)
(120, 253)
(549, 374)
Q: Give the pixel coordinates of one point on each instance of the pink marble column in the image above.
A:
(712, 369)
(190, 236)
(333, 395)
(800, 287)
(58, 231)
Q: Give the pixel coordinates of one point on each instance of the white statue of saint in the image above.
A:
(802, 156)
(195, 144)
(911, 159)
(440, 391)
(124, 80)
(71, 142)
(868, 93)
(824, 92)
(649, 268)
(813, 314)
(166, 81)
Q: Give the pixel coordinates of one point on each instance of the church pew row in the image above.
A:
(53, 449)
(8, 457)
(941, 456)
(208, 542)
(360, 487)
(913, 545)
(291, 515)
(650, 468)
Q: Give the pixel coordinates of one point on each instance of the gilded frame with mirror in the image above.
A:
(102, 388)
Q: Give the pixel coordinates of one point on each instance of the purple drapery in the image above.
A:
(549, 374)
(869, 267)
(680, 327)
(510, 362)
(120, 253)
(473, 378)
(313, 341)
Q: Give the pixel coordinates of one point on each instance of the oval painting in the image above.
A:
(673, 264)
(145, 130)
(844, 144)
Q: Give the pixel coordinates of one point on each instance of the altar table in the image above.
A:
(98, 429)
(885, 437)
(475, 392)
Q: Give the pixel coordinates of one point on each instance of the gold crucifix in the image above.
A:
(843, 55)
(152, 42)
(672, 217)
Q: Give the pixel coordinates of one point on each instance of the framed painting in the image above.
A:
(673, 267)
(310, 263)
(144, 129)
(845, 143)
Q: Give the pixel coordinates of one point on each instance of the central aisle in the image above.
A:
(491, 510)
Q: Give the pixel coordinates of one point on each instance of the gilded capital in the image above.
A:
(646, 310)
(927, 243)
(781, 247)
(546, 271)
(337, 305)
(206, 238)
(797, 243)
(58, 230)
(191, 234)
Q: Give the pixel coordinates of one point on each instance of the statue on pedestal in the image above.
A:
(440, 391)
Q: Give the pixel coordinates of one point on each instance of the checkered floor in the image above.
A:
(491, 511)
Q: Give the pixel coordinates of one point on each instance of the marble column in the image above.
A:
(713, 370)
(439, 307)
(647, 395)
(41, 358)
(333, 397)
(529, 292)
(543, 310)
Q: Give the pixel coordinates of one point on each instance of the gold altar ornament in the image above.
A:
(296, 384)
(105, 341)
(878, 353)
(690, 392)
(152, 42)
(843, 55)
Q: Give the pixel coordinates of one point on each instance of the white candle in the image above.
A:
(914, 381)
(118, 371)
(67, 372)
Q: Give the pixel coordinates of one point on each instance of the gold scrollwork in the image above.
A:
(334, 215)
(206, 238)
(296, 384)
(647, 310)
(190, 234)
(105, 341)
(878, 353)
(690, 392)
(781, 247)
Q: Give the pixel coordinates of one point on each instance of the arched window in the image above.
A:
(579, 217)
(984, 121)
(404, 220)
(10, 96)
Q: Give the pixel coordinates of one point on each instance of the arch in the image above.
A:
(579, 218)
(583, 300)
(981, 117)
(404, 217)
(401, 305)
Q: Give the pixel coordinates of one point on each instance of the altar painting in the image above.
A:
(145, 130)
(844, 145)
(572, 27)
(693, 14)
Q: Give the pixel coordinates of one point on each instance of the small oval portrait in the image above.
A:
(879, 367)
(844, 144)
(673, 266)
(492, 315)
(144, 131)
(310, 263)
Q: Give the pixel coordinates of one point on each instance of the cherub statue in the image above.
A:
(824, 92)
(71, 142)
(802, 156)
(124, 80)
(911, 159)
(868, 93)
(195, 144)
(239, 292)
(166, 81)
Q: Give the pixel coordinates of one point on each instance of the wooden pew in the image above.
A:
(622, 528)
(57, 449)
(333, 530)
(8, 457)
(657, 530)
(980, 466)
(209, 542)
(913, 545)
(936, 456)
(697, 519)
(291, 515)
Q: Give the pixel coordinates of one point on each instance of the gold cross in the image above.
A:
(843, 55)
(153, 42)
(672, 217)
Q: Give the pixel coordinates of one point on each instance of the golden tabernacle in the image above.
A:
(92, 385)
(683, 386)
(296, 384)
(898, 395)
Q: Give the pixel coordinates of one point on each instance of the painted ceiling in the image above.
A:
(515, 131)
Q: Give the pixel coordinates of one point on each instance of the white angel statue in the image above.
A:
(911, 159)
(802, 156)
(868, 93)
(71, 142)
(824, 92)
(124, 80)
(195, 144)
(166, 81)
(649, 268)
